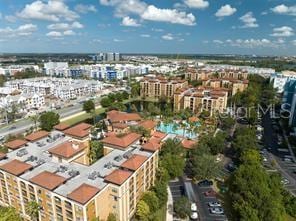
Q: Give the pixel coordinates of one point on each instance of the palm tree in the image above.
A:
(32, 209)
(35, 119)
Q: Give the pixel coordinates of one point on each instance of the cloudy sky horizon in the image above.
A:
(265, 27)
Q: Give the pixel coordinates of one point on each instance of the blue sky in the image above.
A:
(263, 27)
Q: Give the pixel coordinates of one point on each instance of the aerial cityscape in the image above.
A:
(145, 110)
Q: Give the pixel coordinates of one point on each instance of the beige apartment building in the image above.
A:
(157, 87)
(53, 169)
(201, 99)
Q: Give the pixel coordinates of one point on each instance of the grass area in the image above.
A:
(83, 117)
(289, 218)
(160, 215)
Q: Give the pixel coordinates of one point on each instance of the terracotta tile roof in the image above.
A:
(48, 180)
(15, 144)
(67, 149)
(151, 146)
(37, 135)
(122, 142)
(83, 193)
(193, 119)
(16, 167)
(187, 144)
(148, 124)
(118, 176)
(134, 162)
(2, 155)
(61, 126)
(118, 116)
(159, 134)
(80, 130)
(119, 125)
(155, 140)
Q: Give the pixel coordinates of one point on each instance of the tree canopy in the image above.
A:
(48, 120)
(88, 106)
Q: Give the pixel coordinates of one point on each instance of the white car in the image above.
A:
(216, 210)
(194, 215)
(214, 204)
(193, 207)
(285, 181)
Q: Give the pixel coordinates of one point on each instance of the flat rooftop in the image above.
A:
(34, 163)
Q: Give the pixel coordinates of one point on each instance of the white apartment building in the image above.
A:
(56, 68)
(12, 69)
(279, 80)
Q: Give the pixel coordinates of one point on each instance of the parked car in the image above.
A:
(194, 216)
(205, 183)
(216, 210)
(193, 207)
(210, 193)
(214, 204)
(285, 181)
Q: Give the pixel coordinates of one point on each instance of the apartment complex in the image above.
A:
(52, 168)
(232, 80)
(201, 99)
(159, 86)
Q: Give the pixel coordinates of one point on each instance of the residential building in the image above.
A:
(52, 168)
(201, 99)
(56, 69)
(159, 86)
(279, 80)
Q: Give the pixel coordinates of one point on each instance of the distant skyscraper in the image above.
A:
(107, 57)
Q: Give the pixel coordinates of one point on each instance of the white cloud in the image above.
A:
(168, 37)
(10, 18)
(196, 3)
(118, 40)
(157, 29)
(168, 15)
(127, 21)
(53, 10)
(217, 41)
(23, 30)
(284, 10)
(84, 9)
(225, 10)
(249, 20)
(54, 34)
(69, 32)
(284, 31)
(65, 26)
(124, 8)
(145, 35)
(253, 43)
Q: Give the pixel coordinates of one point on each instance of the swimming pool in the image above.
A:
(174, 128)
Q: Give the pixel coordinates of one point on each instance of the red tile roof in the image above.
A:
(67, 149)
(134, 162)
(2, 155)
(16, 167)
(118, 176)
(80, 130)
(148, 124)
(61, 126)
(188, 144)
(118, 116)
(151, 146)
(48, 180)
(37, 135)
(120, 125)
(83, 193)
(158, 134)
(122, 142)
(15, 144)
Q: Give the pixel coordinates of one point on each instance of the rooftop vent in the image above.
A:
(108, 165)
(127, 154)
(118, 158)
(73, 173)
(22, 153)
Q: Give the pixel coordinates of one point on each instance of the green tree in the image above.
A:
(143, 211)
(48, 120)
(182, 207)
(135, 89)
(106, 102)
(35, 119)
(32, 209)
(9, 214)
(96, 151)
(151, 199)
(111, 217)
(140, 130)
(88, 106)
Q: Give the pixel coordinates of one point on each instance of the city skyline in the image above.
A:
(142, 26)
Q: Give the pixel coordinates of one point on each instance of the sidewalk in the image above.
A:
(170, 208)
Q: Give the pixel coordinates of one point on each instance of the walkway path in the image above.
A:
(169, 215)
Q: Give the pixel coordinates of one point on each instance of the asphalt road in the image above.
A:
(271, 142)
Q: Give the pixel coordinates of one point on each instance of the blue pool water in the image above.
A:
(173, 128)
